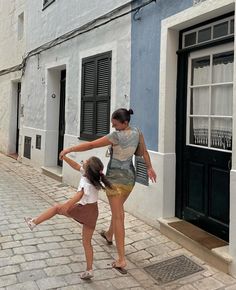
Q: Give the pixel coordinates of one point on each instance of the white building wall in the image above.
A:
(60, 17)
(12, 48)
(42, 74)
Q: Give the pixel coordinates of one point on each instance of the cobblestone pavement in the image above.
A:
(52, 257)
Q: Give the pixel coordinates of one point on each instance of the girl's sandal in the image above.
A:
(86, 275)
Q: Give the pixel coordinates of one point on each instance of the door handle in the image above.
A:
(229, 164)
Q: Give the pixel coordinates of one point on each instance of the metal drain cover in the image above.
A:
(172, 269)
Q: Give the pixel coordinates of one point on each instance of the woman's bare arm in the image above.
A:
(101, 142)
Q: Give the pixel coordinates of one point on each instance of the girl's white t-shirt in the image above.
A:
(90, 191)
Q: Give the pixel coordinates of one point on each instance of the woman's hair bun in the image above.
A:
(131, 112)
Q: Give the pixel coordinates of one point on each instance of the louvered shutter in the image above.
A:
(103, 95)
(88, 92)
(141, 170)
(95, 102)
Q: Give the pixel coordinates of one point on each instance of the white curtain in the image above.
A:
(221, 103)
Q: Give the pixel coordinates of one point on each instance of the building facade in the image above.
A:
(187, 76)
(12, 48)
(172, 64)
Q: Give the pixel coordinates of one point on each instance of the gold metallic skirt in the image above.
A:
(119, 190)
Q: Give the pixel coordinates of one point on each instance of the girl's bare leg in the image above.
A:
(49, 213)
(118, 215)
(87, 234)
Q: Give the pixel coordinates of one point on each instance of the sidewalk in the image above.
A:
(51, 257)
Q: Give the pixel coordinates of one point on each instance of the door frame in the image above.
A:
(181, 117)
(52, 103)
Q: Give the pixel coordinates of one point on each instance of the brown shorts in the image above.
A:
(85, 214)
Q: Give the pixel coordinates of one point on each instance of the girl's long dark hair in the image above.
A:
(93, 171)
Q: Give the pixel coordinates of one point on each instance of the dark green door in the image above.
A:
(206, 123)
(61, 115)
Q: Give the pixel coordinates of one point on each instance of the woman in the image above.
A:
(121, 174)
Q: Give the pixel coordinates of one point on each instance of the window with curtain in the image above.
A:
(211, 101)
(95, 96)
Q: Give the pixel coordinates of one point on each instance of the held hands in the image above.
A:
(63, 153)
(152, 174)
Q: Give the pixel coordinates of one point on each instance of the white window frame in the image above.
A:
(198, 54)
(227, 19)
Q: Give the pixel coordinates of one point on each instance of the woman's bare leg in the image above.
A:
(87, 234)
(46, 215)
(118, 215)
(110, 232)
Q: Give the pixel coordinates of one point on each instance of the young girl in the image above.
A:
(82, 207)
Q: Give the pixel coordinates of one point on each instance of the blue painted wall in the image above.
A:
(145, 61)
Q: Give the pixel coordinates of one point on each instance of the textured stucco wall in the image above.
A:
(11, 47)
(61, 17)
(11, 52)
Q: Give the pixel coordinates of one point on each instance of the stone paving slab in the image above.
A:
(52, 256)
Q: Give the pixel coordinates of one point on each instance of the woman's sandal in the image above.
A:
(121, 270)
(103, 235)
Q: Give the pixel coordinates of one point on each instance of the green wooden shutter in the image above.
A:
(95, 97)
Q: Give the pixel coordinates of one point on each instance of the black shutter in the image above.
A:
(95, 97)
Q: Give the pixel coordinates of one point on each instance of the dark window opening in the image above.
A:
(232, 27)
(27, 147)
(204, 35)
(38, 142)
(220, 30)
(190, 39)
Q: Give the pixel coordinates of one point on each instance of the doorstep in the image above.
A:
(207, 247)
(13, 155)
(54, 172)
